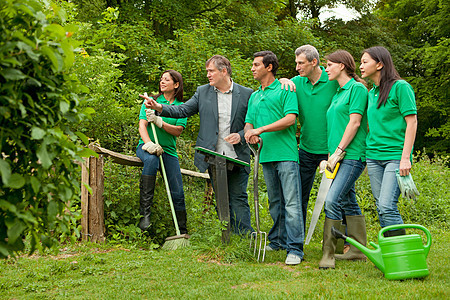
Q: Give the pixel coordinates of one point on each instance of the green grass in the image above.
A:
(129, 267)
(211, 270)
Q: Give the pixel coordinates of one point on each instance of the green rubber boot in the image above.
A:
(356, 229)
(329, 244)
(340, 242)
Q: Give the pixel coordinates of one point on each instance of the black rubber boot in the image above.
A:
(394, 232)
(147, 189)
(181, 219)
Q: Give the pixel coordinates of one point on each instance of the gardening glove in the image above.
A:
(336, 157)
(151, 117)
(406, 184)
(322, 166)
(153, 148)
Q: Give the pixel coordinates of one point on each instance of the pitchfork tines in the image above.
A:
(254, 244)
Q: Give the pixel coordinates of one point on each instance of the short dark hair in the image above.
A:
(269, 58)
(220, 62)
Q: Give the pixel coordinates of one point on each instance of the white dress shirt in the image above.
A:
(224, 101)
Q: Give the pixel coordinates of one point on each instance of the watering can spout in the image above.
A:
(374, 255)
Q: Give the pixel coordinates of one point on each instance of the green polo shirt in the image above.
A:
(268, 106)
(167, 141)
(350, 99)
(387, 124)
(313, 103)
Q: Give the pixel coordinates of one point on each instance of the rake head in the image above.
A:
(255, 236)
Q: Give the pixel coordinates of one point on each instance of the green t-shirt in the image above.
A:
(387, 124)
(167, 141)
(268, 106)
(313, 103)
(350, 99)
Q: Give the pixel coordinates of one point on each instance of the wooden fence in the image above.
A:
(92, 204)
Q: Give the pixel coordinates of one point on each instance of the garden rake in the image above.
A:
(258, 234)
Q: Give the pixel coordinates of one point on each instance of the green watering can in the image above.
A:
(398, 257)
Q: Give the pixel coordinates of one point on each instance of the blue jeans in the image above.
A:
(308, 166)
(238, 200)
(285, 206)
(342, 196)
(385, 190)
(173, 173)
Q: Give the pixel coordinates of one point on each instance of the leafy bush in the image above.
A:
(431, 207)
(38, 103)
(121, 198)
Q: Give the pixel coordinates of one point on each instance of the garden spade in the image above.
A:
(325, 184)
(258, 234)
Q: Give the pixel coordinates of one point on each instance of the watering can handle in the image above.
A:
(416, 226)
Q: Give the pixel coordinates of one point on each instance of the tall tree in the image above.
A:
(423, 26)
(313, 8)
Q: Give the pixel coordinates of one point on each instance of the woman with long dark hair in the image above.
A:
(346, 130)
(167, 130)
(392, 117)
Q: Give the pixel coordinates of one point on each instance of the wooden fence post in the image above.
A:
(92, 222)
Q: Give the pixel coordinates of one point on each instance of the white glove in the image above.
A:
(152, 118)
(336, 157)
(153, 148)
(322, 166)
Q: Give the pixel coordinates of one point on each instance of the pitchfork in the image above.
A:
(256, 149)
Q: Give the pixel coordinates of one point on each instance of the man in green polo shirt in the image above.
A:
(314, 93)
(271, 115)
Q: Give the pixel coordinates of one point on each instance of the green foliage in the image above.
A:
(122, 206)
(116, 106)
(122, 48)
(122, 203)
(38, 104)
(423, 27)
(365, 32)
(431, 207)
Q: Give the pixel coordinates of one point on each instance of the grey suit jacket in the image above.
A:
(204, 102)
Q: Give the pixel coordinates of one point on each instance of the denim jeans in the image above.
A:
(285, 206)
(385, 190)
(238, 200)
(341, 197)
(308, 166)
(173, 173)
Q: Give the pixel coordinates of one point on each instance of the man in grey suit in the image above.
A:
(222, 106)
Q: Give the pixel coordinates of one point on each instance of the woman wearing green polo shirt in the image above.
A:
(167, 130)
(346, 130)
(392, 116)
